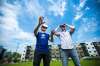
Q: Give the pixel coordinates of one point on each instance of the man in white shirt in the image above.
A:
(67, 48)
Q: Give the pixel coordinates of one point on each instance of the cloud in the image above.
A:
(87, 8)
(11, 33)
(22, 46)
(78, 16)
(8, 21)
(88, 25)
(57, 8)
(34, 8)
(82, 4)
(95, 39)
(78, 10)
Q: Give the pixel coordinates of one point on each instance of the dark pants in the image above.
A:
(41, 55)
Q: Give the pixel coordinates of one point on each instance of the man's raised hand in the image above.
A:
(41, 20)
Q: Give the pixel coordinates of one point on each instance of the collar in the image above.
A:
(42, 32)
(64, 31)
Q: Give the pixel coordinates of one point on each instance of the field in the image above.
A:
(58, 63)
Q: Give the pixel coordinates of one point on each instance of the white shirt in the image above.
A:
(66, 41)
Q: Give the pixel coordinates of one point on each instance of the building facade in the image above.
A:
(2, 52)
(91, 49)
(97, 47)
(80, 51)
(55, 52)
(84, 49)
(88, 49)
(27, 54)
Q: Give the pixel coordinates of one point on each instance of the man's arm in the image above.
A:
(53, 32)
(51, 37)
(56, 33)
(36, 30)
(39, 24)
(72, 28)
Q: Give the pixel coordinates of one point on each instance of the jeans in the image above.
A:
(66, 53)
(41, 55)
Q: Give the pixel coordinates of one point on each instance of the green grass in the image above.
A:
(58, 63)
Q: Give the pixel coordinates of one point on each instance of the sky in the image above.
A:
(18, 18)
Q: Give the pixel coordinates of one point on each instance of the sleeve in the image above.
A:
(48, 36)
(37, 34)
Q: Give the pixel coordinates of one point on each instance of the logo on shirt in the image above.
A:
(43, 36)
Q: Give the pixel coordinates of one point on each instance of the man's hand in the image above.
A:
(41, 20)
(71, 26)
(53, 32)
(39, 24)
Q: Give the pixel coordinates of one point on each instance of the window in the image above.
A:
(91, 55)
(89, 51)
(88, 48)
(93, 47)
(96, 55)
(91, 44)
(95, 51)
(79, 48)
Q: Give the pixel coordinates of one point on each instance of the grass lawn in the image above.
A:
(58, 63)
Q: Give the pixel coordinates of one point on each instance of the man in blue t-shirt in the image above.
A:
(42, 49)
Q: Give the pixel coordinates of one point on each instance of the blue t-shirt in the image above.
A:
(42, 42)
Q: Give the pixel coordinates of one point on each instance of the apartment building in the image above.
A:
(97, 46)
(88, 49)
(91, 49)
(27, 53)
(55, 52)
